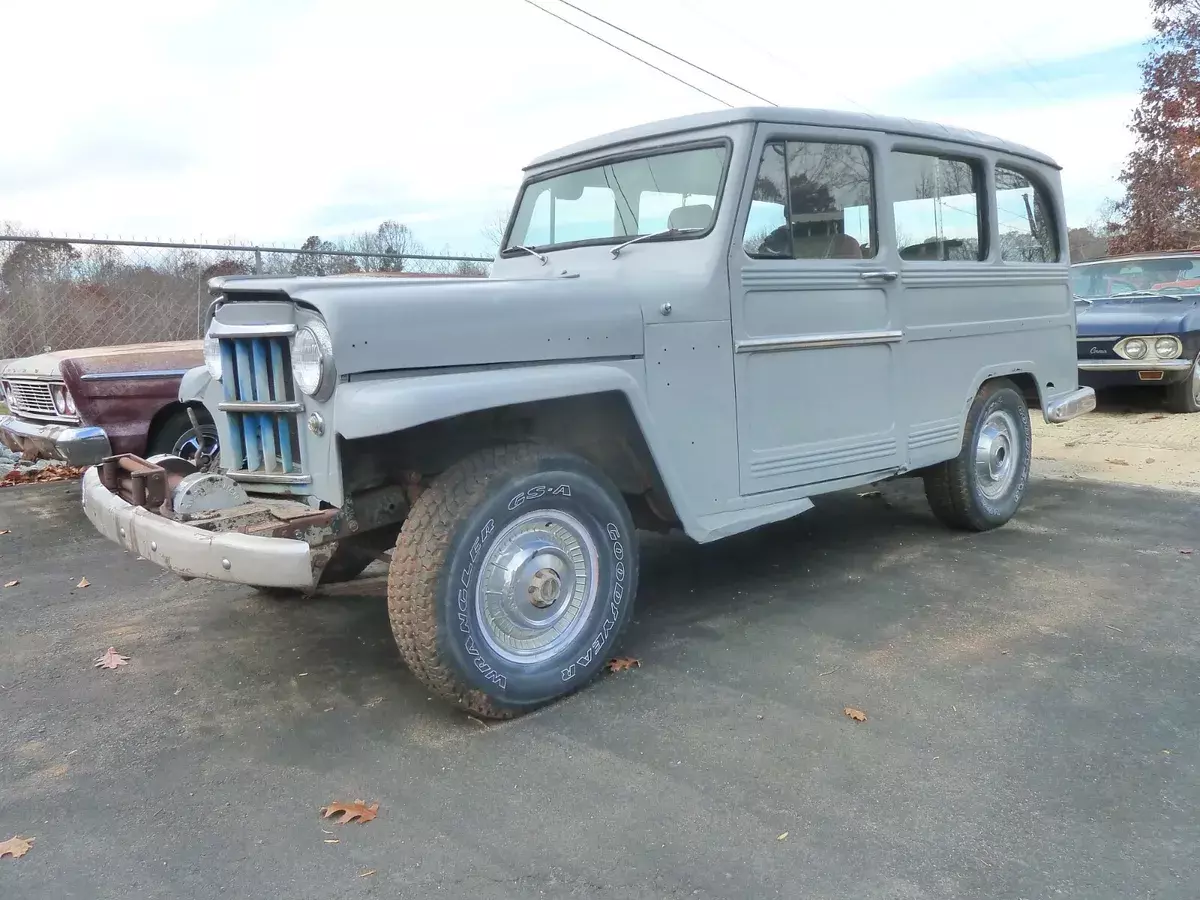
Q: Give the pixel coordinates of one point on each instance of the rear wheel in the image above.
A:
(982, 487)
(1184, 397)
(512, 579)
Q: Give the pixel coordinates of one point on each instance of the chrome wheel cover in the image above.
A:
(537, 586)
(998, 449)
(193, 445)
(1196, 381)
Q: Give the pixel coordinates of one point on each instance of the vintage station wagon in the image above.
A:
(700, 324)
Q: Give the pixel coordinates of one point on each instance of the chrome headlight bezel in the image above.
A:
(1127, 348)
(64, 403)
(212, 355)
(1174, 351)
(312, 360)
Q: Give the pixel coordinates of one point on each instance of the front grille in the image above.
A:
(265, 438)
(33, 397)
(1097, 348)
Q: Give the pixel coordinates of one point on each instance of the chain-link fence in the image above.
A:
(66, 293)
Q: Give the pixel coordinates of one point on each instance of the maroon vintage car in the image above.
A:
(83, 405)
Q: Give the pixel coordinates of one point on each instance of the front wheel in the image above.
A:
(1184, 397)
(982, 487)
(512, 579)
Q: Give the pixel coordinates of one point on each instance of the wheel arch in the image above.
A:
(388, 428)
(166, 412)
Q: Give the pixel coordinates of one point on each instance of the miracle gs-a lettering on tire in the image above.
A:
(436, 568)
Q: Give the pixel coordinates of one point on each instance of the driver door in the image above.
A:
(815, 315)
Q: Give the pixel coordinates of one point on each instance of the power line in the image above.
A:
(674, 56)
(630, 55)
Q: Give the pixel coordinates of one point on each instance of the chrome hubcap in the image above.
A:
(1196, 380)
(537, 586)
(198, 446)
(997, 454)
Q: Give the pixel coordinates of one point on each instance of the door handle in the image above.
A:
(879, 276)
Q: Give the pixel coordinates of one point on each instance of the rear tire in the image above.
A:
(513, 576)
(982, 487)
(1184, 397)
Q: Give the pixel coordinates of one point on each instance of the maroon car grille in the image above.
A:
(32, 397)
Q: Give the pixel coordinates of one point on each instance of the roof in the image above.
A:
(792, 116)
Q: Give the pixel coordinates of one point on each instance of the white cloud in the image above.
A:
(276, 120)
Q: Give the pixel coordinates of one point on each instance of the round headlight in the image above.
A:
(212, 356)
(1167, 348)
(62, 400)
(312, 358)
(1135, 348)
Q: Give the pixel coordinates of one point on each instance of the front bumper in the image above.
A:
(1113, 372)
(76, 445)
(193, 552)
(1064, 407)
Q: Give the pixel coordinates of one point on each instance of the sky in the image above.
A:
(267, 121)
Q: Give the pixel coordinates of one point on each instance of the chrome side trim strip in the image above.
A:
(147, 373)
(221, 329)
(260, 406)
(818, 341)
(260, 478)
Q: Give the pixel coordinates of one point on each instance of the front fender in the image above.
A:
(194, 384)
(371, 408)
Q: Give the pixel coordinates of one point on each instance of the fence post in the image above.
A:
(257, 262)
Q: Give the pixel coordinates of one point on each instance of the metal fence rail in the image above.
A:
(67, 293)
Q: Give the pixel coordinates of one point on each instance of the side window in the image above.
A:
(1025, 215)
(812, 201)
(939, 214)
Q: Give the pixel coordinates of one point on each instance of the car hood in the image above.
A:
(388, 324)
(131, 357)
(1112, 316)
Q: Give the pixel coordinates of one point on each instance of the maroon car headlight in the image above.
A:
(63, 401)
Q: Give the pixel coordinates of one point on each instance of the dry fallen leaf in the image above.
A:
(332, 841)
(621, 663)
(349, 812)
(40, 476)
(366, 873)
(16, 847)
(870, 494)
(1117, 462)
(83, 582)
(1186, 552)
(856, 714)
(5, 531)
(12, 583)
(111, 659)
(782, 836)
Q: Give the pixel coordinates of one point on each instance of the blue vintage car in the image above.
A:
(1139, 323)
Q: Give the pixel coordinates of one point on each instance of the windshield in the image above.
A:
(1167, 275)
(609, 204)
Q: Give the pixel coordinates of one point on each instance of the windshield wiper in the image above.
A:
(542, 256)
(616, 251)
(1147, 294)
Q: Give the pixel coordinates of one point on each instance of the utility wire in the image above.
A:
(630, 55)
(674, 56)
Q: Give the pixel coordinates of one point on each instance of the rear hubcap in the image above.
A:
(997, 454)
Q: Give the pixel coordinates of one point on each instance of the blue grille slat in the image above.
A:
(279, 392)
(246, 392)
(237, 449)
(262, 391)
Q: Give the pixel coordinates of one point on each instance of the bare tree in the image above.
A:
(493, 230)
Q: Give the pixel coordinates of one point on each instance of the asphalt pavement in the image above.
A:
(1031, 695)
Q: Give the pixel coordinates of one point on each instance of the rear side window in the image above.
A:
(938, 208)
(812, 200)
(1025, 215)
